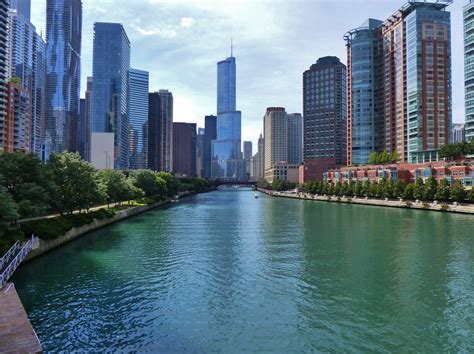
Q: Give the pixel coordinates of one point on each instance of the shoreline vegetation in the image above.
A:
(71, 187)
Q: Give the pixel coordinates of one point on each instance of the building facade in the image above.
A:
(210, 134)
(160, 130)
(18, 119)
(325, 116)
(63, 74)
(138, 119)
(295, 138)
(247, 156)
(110, 72)
(200, 152)
(227, 160)
(184, 149)
(468, 15)
(399, 83)
(4, 70)
(84, 131)
(459, 133)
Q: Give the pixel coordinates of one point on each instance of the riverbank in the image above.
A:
(399, 203)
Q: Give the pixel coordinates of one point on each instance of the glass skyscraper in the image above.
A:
(469, 68)
(160, 130)
(110, 71)
(210, 134)
(63, 72)
(3, 70)
(227, 162)
(138, 118)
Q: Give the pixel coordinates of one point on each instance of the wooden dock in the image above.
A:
(16, 333)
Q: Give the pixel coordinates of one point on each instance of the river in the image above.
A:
(226, 272)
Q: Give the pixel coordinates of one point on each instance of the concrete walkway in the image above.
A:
(16, 333)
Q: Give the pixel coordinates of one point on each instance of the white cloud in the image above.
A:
(186, 22)
(161, 32)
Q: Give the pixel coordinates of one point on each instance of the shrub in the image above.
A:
(444, 207)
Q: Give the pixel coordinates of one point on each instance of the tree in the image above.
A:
(172, 183)
(431, 186)
(262, 183)
(358, 189)
(76, 183)
(28, 182)
(146, 181)
(162, 190)
(373, 189)
(470, 195)
(115, 185)
(443, 191)
(8, 210)
(458, 194)
(409, 191)
(399, 188)
(366, 188)
(419, 189)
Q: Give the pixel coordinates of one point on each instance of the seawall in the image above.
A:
(444, 207)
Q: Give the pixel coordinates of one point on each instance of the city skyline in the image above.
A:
(187, 43)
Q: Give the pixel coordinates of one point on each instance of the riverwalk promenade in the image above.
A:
(393, 203)
(16, 333)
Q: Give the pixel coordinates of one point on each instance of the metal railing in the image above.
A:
(16, 261)
(9, 255)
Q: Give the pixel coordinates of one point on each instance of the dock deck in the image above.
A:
(16, 332)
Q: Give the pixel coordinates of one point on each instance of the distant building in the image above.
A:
(295, 138)
(84, 131)
(138, 119)
(110, 70)
(103, 150)
(184, 149)
(261, 158)
(459, 134)
(325, 117)
(276, 139)
(200, 152)
(4, 74)
(63, 74)
(468, 14)
(227, 160)
(399, 84)
(210, 134)
(17, 130)
(160, 130)
(247, 156)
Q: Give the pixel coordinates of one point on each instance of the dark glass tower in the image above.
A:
(210, 134)
(184, 149)
(63, 72)
(160, 130)
(110, 70)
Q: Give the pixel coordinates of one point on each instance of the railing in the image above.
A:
(9, 255)
(20, 256)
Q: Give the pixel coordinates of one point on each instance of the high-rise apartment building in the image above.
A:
(226, 149)
(160, 130)
(468, 14)
(210, 134)
(138, 118)
(295, 138)
(459, 133)
(325, 116)
(3, 70)
(184, 149)
(63, 73)
(18, 119)
(278, 146)
(110, 70)
(84, 132)
(399, 83)
(200, 152)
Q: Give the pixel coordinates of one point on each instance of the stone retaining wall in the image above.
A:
(450, 207)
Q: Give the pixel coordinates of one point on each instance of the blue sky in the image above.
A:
(180, 41)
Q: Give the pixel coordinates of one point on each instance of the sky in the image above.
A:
(180, 42)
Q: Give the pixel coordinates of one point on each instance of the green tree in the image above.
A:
(8, 210)
(28, 182)
(115, 185)
(431, 187)
(162, 189)
(373, 191)
(419, 189)
(443, 191)
(458, 194)
(359, 189)
(394, 157)
(366, 188)
(409, 191)
(470, 195)
(399, 189)
(146, 181)
(76, 185)
(172, 183)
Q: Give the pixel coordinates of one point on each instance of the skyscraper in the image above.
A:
(18, 119)
(85, 122)
(295, 138)
(200, 152)
(3, 70)
(278, 145)
(27, 61)
(459, 133)
(63, 72)
(160, 130)
(184, 149)
(226, 149)
(110, 70)
(324, 111)
(399, 83)
(210, 134)
(247, 156)
(261, 157)
(468, 13)
(138, 118)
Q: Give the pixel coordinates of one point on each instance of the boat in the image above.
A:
(255, 195)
